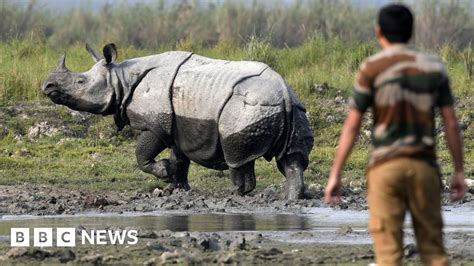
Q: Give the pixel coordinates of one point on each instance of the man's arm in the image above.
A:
(454, 141)
(350, 131)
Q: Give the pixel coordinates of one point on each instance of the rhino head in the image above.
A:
(88, 91)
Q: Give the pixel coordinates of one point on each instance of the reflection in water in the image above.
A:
(292, 222)
(226, 222)
(173, 222)
(313, 219)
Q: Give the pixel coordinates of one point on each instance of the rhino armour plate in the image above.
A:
(150, 107)
(200, 90)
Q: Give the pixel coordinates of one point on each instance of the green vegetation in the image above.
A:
(99, 158)
(89, 154)
(151, 24)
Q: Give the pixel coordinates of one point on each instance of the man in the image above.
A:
(403, 87)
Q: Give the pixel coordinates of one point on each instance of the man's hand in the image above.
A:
(332, 193)
(458, 187)
(454, 141)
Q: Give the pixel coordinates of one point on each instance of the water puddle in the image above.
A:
(318, 225)
(208, 222)
(455, 219)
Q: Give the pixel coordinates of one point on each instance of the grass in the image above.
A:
(89, 154)
(147, 24)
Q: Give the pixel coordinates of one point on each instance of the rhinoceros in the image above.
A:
(219, 114)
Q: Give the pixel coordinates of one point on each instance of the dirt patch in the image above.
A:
(157, 247)
(49, 200)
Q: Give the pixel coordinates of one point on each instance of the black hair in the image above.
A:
(396, 23)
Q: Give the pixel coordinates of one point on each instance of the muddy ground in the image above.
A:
(157, 247)
(201, 248)
(164, 247)
(31, 134)
(49, 200)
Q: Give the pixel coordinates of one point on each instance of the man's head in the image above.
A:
(395, 24)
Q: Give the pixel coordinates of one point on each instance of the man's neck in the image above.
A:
(389, 45)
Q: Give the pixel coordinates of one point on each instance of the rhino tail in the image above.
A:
(299, 138)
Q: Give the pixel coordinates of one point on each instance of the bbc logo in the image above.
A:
(66, 237)
(43, 237)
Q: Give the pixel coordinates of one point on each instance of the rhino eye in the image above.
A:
(81, 81)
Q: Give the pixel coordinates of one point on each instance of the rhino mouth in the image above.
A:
(54, 95)
(62, 98)
(58, 97)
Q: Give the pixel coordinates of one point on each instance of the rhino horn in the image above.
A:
(62, 64)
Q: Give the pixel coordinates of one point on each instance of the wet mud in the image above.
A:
(50, 200)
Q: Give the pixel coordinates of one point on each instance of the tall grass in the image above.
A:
(156, 24)
(330, 37)
(308, 43)
(26, 64)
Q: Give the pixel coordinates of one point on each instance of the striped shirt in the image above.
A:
(403, 87)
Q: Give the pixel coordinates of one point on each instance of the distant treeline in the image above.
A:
(439, 23)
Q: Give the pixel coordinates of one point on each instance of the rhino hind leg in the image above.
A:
(292, 167)
(179, 167)
(243, 178)
(148, 147)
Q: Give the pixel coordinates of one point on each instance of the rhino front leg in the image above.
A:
(179, 166)
(292, 167)
(149, 146)
(243, 178)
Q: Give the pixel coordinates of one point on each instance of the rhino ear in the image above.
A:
(93, 53)
(110, 53)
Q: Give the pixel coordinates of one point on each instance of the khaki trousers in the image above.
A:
(396, 186)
